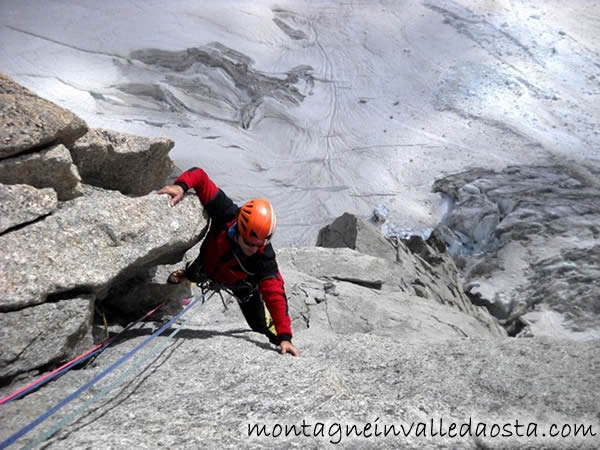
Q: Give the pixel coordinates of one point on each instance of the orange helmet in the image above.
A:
(256, 221)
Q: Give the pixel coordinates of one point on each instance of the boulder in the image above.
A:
(28, 122)
(21, 204)
(93, 242)
(133, 165)
(51, 167)
(44, 335)
(352, 232)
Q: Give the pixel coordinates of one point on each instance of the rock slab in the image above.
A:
(133, 165)
(93, 242)
(21, 204)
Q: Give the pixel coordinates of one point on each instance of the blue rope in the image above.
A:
(120, 379)
(90, 383)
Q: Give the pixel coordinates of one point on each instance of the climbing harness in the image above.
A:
(199, 299)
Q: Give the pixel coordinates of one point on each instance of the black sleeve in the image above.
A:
(221, 208)
(267, 267)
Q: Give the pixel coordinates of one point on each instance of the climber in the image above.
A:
(236, 253)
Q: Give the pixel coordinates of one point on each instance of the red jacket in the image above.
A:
(217, 251)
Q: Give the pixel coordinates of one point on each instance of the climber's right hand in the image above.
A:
(174, 191)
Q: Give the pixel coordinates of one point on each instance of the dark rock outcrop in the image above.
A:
(212, 81)
(352, 232)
